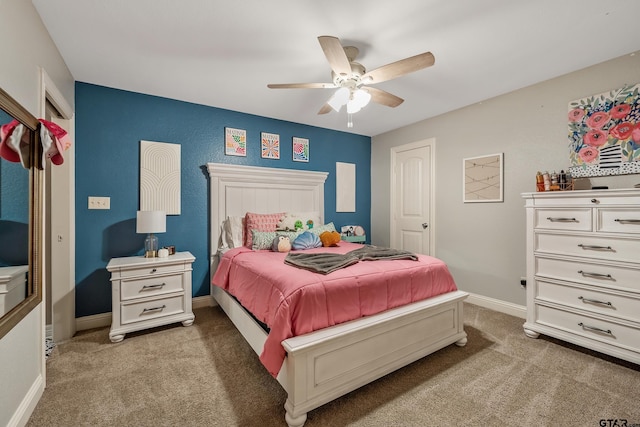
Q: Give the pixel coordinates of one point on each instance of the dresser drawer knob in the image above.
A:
(628, 221)
(151, 287)
(596, 275)
(594, 329)
(594, 301)
(150, 310)
(154, 270)
(594, 200)
(556, 219)
(596, 247)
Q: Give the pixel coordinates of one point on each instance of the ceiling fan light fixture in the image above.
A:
(359, 99)
(339, 98)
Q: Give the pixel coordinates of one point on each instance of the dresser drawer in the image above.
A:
(161, 307)
(149, 286)
(603, 248)
(606, 276)
(563, 219)
(618, 220)
(591, 300)
(590, 327)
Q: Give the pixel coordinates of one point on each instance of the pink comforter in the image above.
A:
(293, 301)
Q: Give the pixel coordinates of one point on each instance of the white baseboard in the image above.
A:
(28, 404)
(498, 305)
(104, 319)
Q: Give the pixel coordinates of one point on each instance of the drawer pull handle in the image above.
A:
(597, 275)
(594, 200)
(556, 219)
(594, 329)
(595, 301)
(150, 287)
(628, 221)
(149, 310)
(154, 270)
(596, 247)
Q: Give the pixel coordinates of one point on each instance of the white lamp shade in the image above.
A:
(151, 222)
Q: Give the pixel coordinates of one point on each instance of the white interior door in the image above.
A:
(411, 197)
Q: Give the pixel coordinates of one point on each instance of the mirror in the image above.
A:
(20, 218)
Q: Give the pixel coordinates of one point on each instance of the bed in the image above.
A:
(315, 369)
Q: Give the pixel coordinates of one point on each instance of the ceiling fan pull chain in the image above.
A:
(349, 120)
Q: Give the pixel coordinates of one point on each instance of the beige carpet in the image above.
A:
(206, 375)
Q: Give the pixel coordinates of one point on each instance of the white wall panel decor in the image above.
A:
(160, 177)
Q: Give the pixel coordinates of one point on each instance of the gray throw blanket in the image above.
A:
(325, 263)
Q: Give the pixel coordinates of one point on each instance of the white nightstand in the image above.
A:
(150, 292)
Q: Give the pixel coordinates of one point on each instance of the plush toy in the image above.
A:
(281, 244)
(330, 238)
(306, 240)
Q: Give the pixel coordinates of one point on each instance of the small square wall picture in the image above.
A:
(235, 142)
(300, 149)
(269, 145)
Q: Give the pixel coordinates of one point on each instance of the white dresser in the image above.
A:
(149, 292)
(583, 269)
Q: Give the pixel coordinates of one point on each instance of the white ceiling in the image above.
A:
(223, 53)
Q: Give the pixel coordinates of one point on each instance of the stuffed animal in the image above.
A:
(281, 244)
(330, 238)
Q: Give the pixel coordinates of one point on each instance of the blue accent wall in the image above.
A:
(110, 124)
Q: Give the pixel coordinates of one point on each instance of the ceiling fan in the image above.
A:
(352, 80)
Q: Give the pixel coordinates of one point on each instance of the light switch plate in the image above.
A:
(99, 202)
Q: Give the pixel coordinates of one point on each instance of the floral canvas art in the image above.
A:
(604, 133)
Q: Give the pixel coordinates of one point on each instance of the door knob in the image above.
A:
(424, 225)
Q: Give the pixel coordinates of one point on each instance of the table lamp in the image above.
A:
(151, 222)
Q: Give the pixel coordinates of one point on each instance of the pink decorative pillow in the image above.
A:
(260, 222)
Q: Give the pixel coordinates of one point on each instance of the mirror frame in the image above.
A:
(34, 278)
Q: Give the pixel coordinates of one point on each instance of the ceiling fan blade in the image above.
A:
(301, 85)
(399, 68)
(334, 52)
(380, 96)
(326, 108)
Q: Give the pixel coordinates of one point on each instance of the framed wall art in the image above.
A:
(235, 142)
(604, 133)
(482, 178)
(269, 145)
(300, 149)
(160, 177)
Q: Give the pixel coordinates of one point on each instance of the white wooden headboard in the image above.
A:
(236, 190)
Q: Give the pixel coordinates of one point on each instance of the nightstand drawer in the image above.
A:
(161, 307)
(138, 288)
(590, 300)
(563, 219)
(151, 270)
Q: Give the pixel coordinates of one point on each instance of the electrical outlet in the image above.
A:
(99, 202)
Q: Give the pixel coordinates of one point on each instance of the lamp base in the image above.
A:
(151, 246)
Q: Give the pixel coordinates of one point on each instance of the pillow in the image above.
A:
(260, 222)
(306, 240)
(319, 229)
(330, 238)
(232, 233)
(264, 239)
(295, 221)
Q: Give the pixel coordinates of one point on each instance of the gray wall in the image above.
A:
(26, 46)
(483, 243)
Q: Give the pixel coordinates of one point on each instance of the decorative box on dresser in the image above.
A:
(583, 269)
(150, 292)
